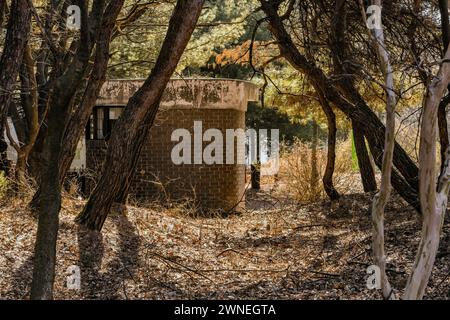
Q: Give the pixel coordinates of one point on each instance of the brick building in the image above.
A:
(216, 103)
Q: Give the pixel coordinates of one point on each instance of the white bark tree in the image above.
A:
(382, 197)
(433, 200)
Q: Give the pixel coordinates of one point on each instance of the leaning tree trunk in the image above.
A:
(122, 194)
(331, 152)
(405, 181)
(130, 130)
(365, 166)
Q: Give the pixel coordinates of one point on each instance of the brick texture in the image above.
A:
(216, 186)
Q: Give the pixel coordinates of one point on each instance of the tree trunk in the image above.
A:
(255, 167)
(131, 129)
(34, 158)
(2, 12)
(442, 110)
(79, 119)
(122, 195)
(443, 130)
(352, 105)
(47, 201)
(16, 39)
(29, 121)
(365, 166)
(433, 202)
(382, 197)
(255, 171)
(327, 179)
(49, 192)
(314, 178)
(47, 233)
(4, 162)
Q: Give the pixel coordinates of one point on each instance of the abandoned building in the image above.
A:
(218, 103)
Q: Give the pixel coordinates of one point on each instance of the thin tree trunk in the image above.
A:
(331, 152)
(131, 129)
(314, 178)
(255, 172)
(30, 122)
(381, 198)
(255, 167)
(364, 163)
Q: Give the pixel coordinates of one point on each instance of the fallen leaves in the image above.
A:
(275, 249)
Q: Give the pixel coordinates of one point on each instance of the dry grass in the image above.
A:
(3, 185)
(297, 167)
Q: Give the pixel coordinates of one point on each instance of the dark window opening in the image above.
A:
(101, 122)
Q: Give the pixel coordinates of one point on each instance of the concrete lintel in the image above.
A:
(201, 93)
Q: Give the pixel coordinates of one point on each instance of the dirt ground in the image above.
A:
(275, 249)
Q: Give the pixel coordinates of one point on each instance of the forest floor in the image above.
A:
(275, 249)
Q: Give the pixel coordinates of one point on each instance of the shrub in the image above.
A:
(297, 170)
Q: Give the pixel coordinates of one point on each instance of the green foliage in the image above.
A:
(134, 51)
(258, 117)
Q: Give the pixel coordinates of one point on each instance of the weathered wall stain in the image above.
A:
(187, 93)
